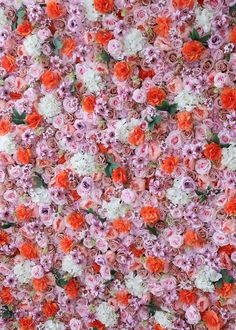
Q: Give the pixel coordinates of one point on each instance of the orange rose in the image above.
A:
(121, 225)
(183, 4)
(122, 71)
(6, 296)
(4, 238)
(155, 265)
(68, 47)
(103, 37)
(66, 244)
(75, 220)
(5, 126)
(29, 251)
(122, 297)
(227, 290)
(163, 26)
(230, 207)
(26, 323)
(185, 121)
(192, 50)
(25, 29)
(187, 297)
(119, 175)
(228, 98)
(50, 308)
(212, 151)
(40, 284)
(62, 180)
(192, 239)
(23, 156)
(34, 119)
(169, 164)
(155, 96)
(232, 35)
(23, 213)
(88, 103)
(212, 320)
(150, 214)
(137, 137)
(104, 6)
(72, 289)
(50, 79)
(8, 63)
(54, 10)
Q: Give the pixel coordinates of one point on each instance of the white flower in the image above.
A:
(115, 208)
(49, 106)
(204, 18)
(32, 45)
(135, 285)
(164, 319)
(83, 163)
(54, 325)
(70, 266)
(93, 81)
(123, 129)
(22, 270)
(192, 315)
(3, 19)
(186, 101)
(133, 42)
(229, 157)
(91, 13)
(40, 196)
(176, 195)
(204, 278)
(7, 144)
(106, 314)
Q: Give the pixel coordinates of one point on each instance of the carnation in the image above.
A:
(7, 144)
(106, 314)
(204, 278)
(70, 266)
(22, 270)
(186, 101)
(93, 81)
(83, 163)
(164, 319)
(49, 106)
(133, 42)
(204, 18)
(91, 13)
(54, 325)
(176, 195)
(40, 196)
(32, 45)
(115, 208)
(135, 285)
(229, 157)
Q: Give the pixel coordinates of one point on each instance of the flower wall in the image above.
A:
(117, 164)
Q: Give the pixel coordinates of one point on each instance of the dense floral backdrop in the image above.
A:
(117, 164)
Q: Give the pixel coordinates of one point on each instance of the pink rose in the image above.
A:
(115, 48)
(202, 303)
(140, 15)
(173, 140)
(75, 324)
(220, 238)
(37, 271)
(203, 166)
(11, 196)
(200, 132)
(2, 176)
(192, 315)
(139, 96)
(206, 214)
(169, 283)
(128, 196)
(176, 241)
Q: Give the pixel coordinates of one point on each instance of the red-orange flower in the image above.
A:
(187, 297)
(212, 320)
(25, 28)
(40, 284)
(122, 225)
(5, 126)
(230, 207)
(68, 47)
(26, 323)
(185, 121)
(227, 290)
(155, 265)
(29, 250)
(50, 308)
(88, 103)
(119, 175)
(192, 50)
(50, 79)
(104, 6)
(192, 239)
(54, 10)
(122, 71)
(103, 37)
(23, 156)
(75, 220)
(155, 96)
(169, 164)
(23, 213)
(228, 98)
(72, 289)
(6, 296)
(213, 151)
(137, 136)
(8, 63)
(183, 4)
(232, 35)
(150, 214)
(4, 238)
(34, 119)
(163, 26)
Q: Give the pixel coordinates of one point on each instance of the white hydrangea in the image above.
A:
(204, 18)
(70, 266)
(83, 163)
(123, 129)
(7, 144)
(32, 45)
(106, 314)
(164, 319)
(22, 271)
(49, 106)
(115, 208)
(176, 195)
(187, 101)
(93, 81)
(40, 196)
(134, 42)
(54, 325)
(135, 285)
(229, 157)
(91, 13)
(204, 278)
(3, 19)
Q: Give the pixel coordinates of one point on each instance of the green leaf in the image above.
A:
(204, 39)
(225, 145)
(57, 43)
(113, 273)
(194, 35)
(110, 167)
(21, 12)
(152, 308)
(60, 281)
(7, 225)
(17, 118)
(105, 57)
(170, 108)
(6, 312)
(38, 180)
(91, 211)
(226, 277)
(173, 109)
(152, 230)
(232, 10)
(215, 139)
(219, 283)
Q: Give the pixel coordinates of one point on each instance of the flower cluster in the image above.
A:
(117, 164)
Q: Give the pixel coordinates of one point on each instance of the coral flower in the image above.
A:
(155, 96)
(75, 220)
(192, 50)
(213, 151)
(150, 214)
(104, 6)
(122, 71)
(54, 10)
